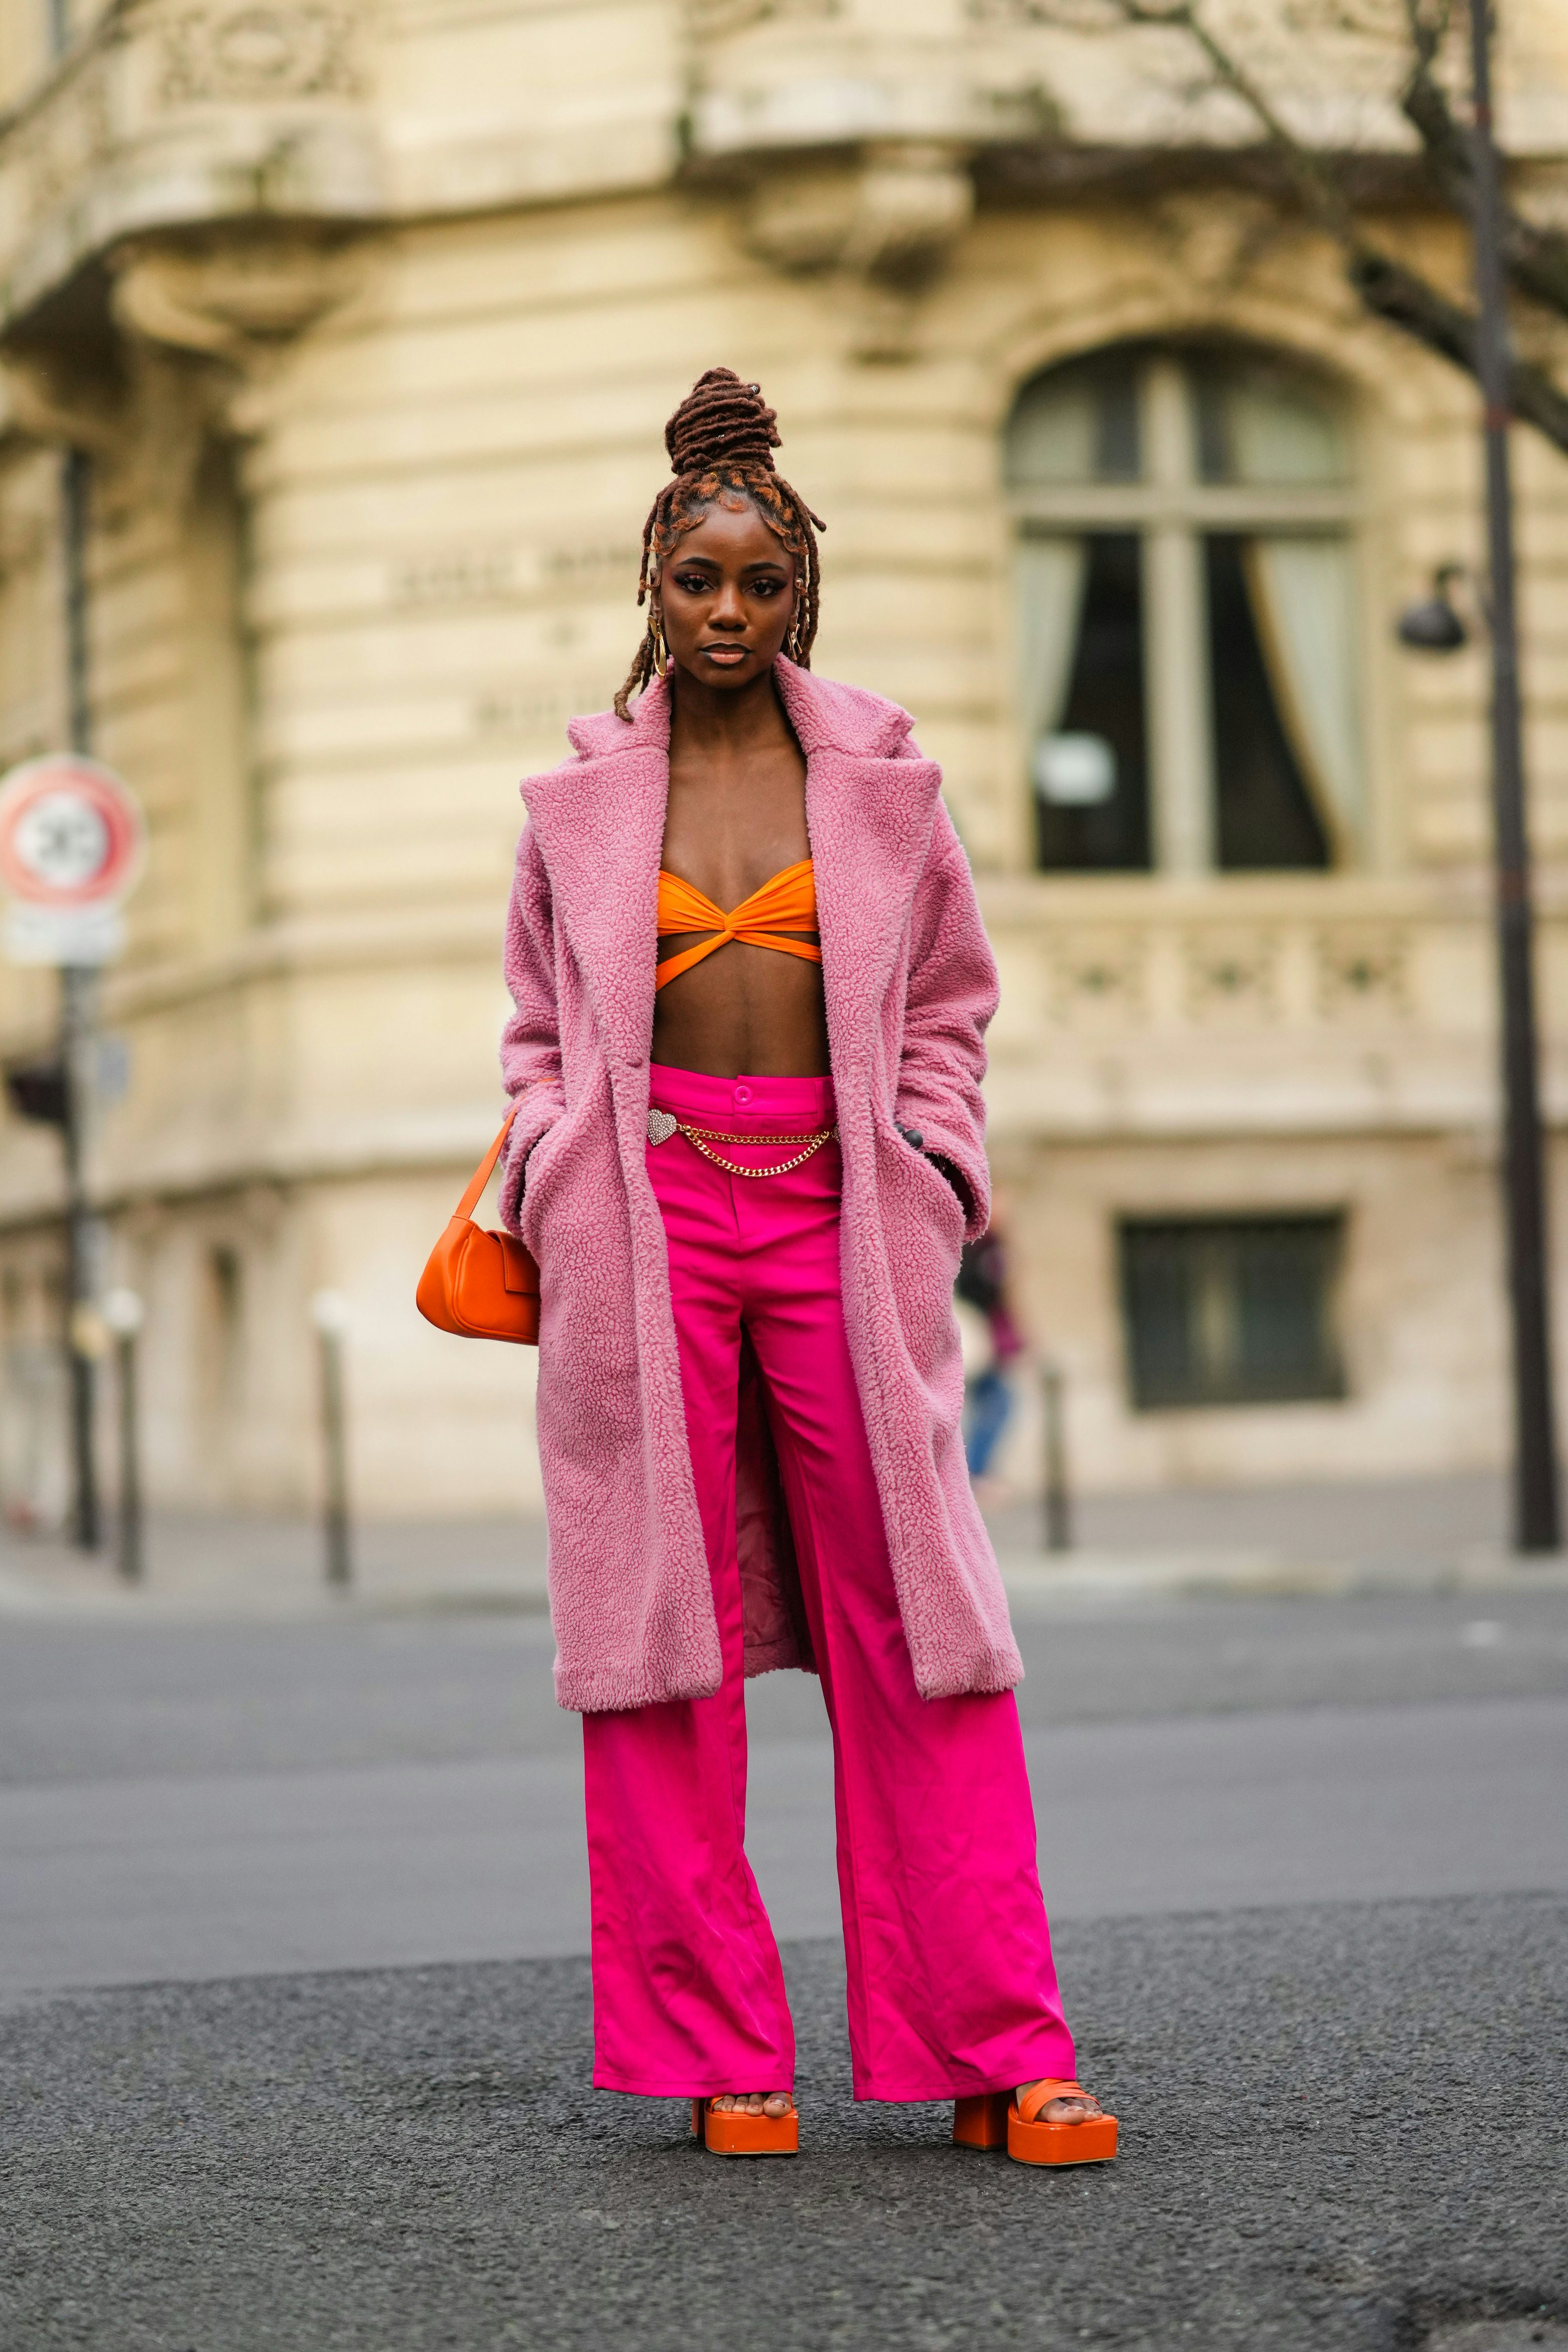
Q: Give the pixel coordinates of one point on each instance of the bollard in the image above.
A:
(330, 1314)
(1058, 1509)
(122, 1312)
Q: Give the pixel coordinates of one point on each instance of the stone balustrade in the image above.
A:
(1250, 1004)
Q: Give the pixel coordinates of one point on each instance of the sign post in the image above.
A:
(72, 842)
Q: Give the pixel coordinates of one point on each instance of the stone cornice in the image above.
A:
(172, 117)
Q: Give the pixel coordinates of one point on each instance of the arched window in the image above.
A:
(1186, 613)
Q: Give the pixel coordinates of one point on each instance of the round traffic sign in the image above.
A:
(71, 833)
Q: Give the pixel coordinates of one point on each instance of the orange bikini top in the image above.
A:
(786, 903)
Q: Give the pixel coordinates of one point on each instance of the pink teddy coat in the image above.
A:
(910, 984)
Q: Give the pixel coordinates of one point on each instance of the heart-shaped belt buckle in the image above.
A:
(660, 1126)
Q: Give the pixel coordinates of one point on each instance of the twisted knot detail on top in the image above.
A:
(786, 902)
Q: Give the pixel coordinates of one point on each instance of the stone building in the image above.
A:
(366, 319)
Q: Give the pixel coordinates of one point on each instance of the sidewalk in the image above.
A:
(201, 1565)
(1418, 1536)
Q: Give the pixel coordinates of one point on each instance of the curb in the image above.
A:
(1157, 1576)
(1036, 1583)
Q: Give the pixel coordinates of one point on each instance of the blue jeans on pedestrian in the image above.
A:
(987, 1409)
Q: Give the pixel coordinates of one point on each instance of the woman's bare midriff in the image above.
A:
(741, 1008)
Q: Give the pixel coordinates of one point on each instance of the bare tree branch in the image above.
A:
(1415, 306)
(1536, 258)
(1387, 287)
(1312, 180)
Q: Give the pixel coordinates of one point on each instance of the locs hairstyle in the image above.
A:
(721, 441)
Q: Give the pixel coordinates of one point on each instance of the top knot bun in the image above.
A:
(721, 422)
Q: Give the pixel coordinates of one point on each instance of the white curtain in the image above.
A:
(1050, 595)
(1303, 604)
(1050, 439)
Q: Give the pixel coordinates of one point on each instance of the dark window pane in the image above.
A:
(1265, 814)
(1105, 700)
(1116, 453)
(1262, 423)
(1231, 1311)
(1078, 423)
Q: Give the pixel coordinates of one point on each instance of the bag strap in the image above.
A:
(482, 1173)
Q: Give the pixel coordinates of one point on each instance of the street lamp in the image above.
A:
(1432, 625)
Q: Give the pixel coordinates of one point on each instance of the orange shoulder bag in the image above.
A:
(481, 1284)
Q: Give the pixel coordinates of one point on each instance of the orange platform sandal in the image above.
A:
(726, 2133)
(994, 2121)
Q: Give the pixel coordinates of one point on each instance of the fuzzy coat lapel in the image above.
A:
(600, 822)
(868, 814)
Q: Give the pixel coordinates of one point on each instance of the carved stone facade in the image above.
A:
(368, 319)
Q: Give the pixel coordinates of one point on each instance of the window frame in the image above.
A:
(1173, 511)
(1324, 1233)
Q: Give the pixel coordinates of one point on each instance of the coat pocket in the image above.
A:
(946, 1210)
(922, 1234)
(538, 1171)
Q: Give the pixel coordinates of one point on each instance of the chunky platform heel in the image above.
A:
(1030, 2141)
(981, 2122)
(732, 2134)
(993, 2122)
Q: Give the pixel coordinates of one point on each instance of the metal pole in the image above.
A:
(133, 1560)
(76, 495)
(1059, 1507)
(330, 1314)
(76, 993)
(78, 1004)
(1536, 1512)
(339, 1569)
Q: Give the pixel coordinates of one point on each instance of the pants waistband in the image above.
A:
(765, 1104)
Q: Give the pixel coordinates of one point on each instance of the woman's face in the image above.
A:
(727, 597)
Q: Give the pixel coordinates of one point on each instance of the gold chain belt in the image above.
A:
(663, 1124)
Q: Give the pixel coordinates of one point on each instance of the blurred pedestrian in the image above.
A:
(982, 1287)
(749, 1403)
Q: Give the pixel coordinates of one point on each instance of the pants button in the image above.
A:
(742, 1094)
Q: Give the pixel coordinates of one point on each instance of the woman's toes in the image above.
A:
(778, 2105)
(1067, 2110)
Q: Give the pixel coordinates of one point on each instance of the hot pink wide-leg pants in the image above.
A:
(951, 1989)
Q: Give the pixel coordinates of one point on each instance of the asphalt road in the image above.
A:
(1309, 1862)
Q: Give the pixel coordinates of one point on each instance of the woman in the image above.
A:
(747, 1148)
